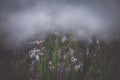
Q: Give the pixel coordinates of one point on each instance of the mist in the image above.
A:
(23, 19)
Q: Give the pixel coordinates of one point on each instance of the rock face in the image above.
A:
(48, 57)
(54, 57)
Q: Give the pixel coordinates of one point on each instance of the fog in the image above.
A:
(22, 19)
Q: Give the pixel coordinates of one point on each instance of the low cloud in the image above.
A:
(82, 20)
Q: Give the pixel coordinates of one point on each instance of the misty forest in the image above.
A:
(59, 40)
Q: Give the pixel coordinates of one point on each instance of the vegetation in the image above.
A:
(69, 61)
